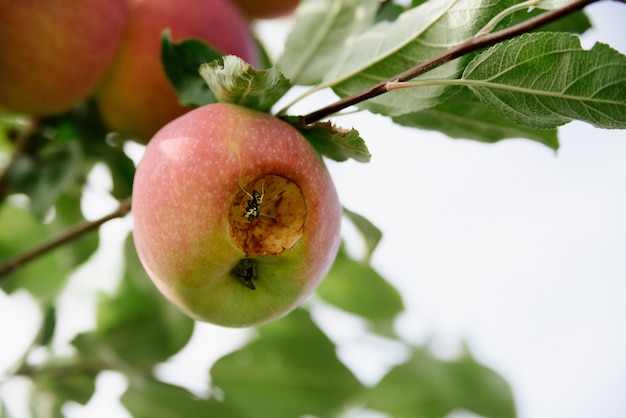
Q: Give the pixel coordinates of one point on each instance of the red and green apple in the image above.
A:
(136, 98)
(53, 53)
(236, 218)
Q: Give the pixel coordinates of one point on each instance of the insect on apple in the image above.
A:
(255, 204)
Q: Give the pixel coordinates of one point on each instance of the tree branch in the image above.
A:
(63, 238)
(471, 45)
(478, 42)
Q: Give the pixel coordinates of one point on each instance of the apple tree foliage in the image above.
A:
(485, 70)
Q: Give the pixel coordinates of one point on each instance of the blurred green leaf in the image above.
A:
(356, 287)
(122, 173)
(68, 213)
(20, 231)
(431, 388)
(137, 323)
(84, 125)
(181, 62)
(464, 116)
(415, 3)
(44, 175)
(151, 399)
(370, 232)
(3, 410)
(55, 390)
(232, 80)
(545, 80)
(49, 325)
(332, 141)
(389, 11)
(320, 30)
(289, 371)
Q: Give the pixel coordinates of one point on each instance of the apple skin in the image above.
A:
(187, 183)
(53, 53)
(256, 9)
(136, 98)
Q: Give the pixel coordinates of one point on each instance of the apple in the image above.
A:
(136, 98)
(255, 9)
(53, 53)
(236, 218)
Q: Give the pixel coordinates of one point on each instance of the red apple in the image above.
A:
(53, 53)
(136, 98)
(236, 218)
(266, 9)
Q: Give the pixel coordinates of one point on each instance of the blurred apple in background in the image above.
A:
(136, 98)
(236, 218)
(266, 9)
(53, 53)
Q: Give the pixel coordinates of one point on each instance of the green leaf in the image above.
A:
(44, 175)
(332, 141)
(553, 4)
(464, 116)
(320, 30)
(4, 413)
(181, 62)
(389, 11)
(67, 214)
(137, 323)
(151, 398)
(371, 233)
(45, 276)
(577, 22)
(78, 386)
(49, 325)
(419, 34)
(427, 387)
(20, 231)
(122, 171)
(84, 123)
(235, 81)
(545, 80)
(356, 287)
(290, 371)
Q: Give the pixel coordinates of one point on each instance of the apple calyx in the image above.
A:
(266, 218)
(245, 270)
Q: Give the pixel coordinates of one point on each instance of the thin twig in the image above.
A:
(64, 237)
(471, 45)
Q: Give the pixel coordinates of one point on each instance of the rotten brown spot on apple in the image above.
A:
(267, 216)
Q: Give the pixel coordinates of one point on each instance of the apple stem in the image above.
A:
(481, 40)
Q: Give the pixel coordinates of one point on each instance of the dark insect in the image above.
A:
(253, 210)
(255, 203)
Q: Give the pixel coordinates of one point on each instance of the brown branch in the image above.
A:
(64, 237)
(466, 47)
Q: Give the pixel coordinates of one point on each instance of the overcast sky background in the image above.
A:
(516, 250)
